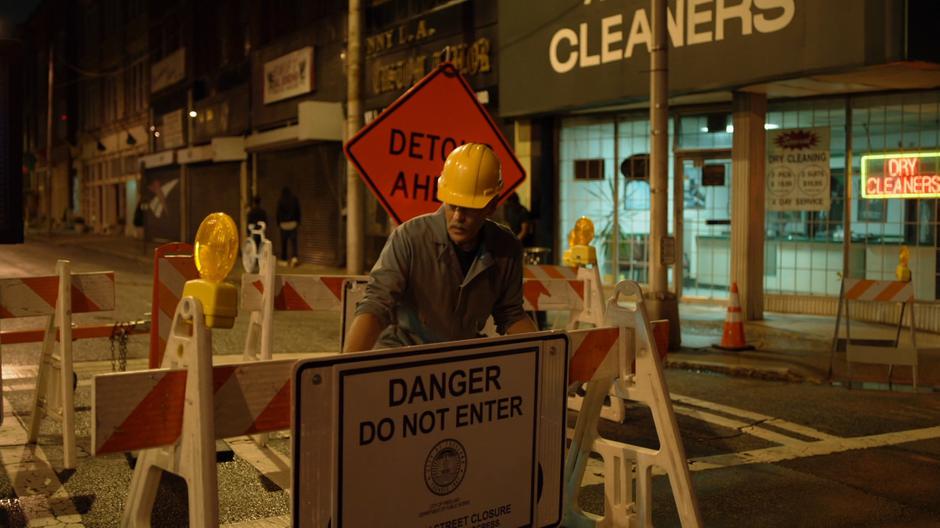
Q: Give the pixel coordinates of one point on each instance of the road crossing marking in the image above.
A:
(770, 455)
(789, 448)
(752, 429)
(778, 423)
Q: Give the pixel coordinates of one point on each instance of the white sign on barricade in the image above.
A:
(419, 426)
(57, 297)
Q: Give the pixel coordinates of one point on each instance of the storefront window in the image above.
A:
(885, 124)
(803, 249)
(612, 204)
(705, 131)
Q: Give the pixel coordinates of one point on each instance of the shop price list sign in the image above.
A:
(798, 176)
(454, 439)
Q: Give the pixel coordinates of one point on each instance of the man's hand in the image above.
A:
(522, 326)
(363, 332)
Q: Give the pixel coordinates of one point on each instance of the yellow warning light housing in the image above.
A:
(580, 252)
(215, 252)
(903, 271)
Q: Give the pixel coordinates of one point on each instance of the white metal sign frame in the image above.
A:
(324, 393)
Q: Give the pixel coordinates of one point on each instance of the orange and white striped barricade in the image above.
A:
(884, 352)
(623, 360)
(304, 293)
(175, 414)
(173, 265)
(265, 293)
(576, 290)
(57, 297)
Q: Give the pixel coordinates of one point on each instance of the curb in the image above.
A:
(752, 371)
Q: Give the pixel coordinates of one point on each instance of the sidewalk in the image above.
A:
(141, 251)
(797, 347)
(788, 347)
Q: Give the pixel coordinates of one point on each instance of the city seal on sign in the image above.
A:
(445, 467)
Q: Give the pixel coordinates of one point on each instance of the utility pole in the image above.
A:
(355, 217)
(663, 303)
(49, 121)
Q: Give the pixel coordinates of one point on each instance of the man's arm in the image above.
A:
(363, 332)
(383, 292)
(522, 326)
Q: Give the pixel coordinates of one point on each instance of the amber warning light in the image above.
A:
(901, 175)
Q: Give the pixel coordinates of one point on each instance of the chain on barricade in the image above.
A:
(119, 334)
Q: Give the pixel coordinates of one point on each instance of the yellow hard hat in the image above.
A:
(471, 177)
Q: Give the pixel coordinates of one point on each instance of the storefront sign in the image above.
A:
(798, 169)
(171, 130)
(470, 59)
(289, 75)
(901, 175)
(591, 52)
(399, 55)
(168, 71)
(401, 153)
(448, 436)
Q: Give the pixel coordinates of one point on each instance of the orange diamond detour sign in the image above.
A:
(401, 153)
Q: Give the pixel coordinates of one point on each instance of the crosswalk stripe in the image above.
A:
(772, 455)
(778, 423)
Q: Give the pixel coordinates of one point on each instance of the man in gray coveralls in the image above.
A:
(441, 275)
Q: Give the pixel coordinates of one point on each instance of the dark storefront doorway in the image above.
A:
(314, 173)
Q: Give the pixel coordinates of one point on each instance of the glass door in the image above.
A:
(704, 271)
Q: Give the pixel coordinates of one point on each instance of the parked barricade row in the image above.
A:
(264, 293)
(56, 297)
(176, 413)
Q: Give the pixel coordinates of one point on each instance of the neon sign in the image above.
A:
(901, 175)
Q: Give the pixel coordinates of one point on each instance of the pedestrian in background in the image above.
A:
(517, 217)
(288, 220)
(257, 214)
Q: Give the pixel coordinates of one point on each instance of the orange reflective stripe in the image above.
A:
(890, 291)
(859, 289)
(591, 353)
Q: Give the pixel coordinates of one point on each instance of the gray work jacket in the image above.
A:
(417, 291)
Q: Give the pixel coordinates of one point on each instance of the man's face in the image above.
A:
(463, 224)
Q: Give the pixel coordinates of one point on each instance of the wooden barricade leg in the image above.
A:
(55, 390)
(66, 387)
(262, 322)
(644, 384)
(42, 396)
(585, 434)
(193, 456)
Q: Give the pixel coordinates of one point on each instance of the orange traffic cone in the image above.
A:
(732, 338)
